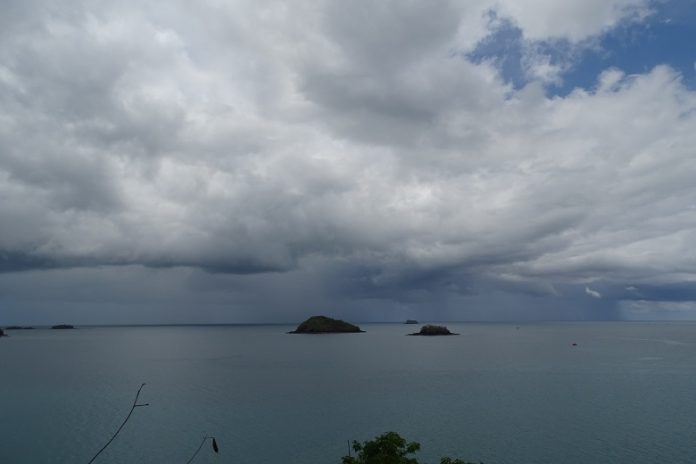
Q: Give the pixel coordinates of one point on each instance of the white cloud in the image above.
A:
(593, 293)
(539, 66)
(574, 20)
(610, 79)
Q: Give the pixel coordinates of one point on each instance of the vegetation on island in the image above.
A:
(434, 330)
(323, 324)
(389, 448)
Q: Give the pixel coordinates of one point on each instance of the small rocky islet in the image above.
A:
(325, 325)
(63, 326)
(434, 330)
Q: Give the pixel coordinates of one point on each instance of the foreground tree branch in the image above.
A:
(215, 448)
(135, 405)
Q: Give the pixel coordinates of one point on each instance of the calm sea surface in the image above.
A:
(498, 393)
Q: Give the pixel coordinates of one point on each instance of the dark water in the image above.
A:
(499, 394)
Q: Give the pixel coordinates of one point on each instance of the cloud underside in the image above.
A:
(348, 143)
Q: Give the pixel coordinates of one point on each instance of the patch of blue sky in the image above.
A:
(667, 37)
(505, 48)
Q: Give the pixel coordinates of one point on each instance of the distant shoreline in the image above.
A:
(279, 324)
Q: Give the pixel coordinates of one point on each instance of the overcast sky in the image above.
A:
(256, 161)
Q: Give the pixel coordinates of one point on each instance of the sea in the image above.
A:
(499, 393)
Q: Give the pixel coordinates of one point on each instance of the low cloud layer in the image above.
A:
(263, 161)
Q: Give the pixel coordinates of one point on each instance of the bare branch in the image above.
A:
(135, 405)
(215, 448)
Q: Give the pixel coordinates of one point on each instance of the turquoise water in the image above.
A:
(497, 393)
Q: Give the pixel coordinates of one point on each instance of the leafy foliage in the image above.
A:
(455, 461)
(389, 448)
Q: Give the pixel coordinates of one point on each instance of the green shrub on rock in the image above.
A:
(389, 448)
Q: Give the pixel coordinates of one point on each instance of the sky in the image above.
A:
(263, 161)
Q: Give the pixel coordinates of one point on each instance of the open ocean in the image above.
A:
(498, 393)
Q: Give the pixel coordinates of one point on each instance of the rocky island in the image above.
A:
(432, 330)
(411, 321)
(2, 334)
(323, 325)
(63, 326)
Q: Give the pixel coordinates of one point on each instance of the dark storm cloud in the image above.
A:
(676, 291)
(340, 154)
(14, 262)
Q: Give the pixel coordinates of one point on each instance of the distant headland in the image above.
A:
(323, 325)
(433, 330)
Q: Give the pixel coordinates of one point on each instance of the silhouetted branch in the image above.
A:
(135, 405)
(215, 448)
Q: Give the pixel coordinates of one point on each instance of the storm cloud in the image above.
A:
(250, 161)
